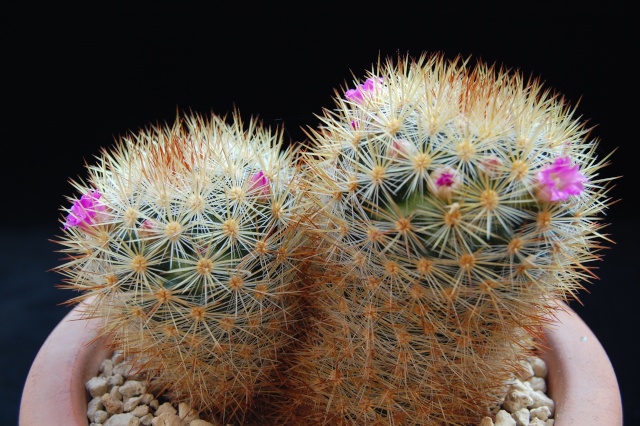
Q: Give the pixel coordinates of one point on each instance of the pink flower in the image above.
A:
(401, 148)
(490, 165)
(85, 211)
(444, 181)
(560, 180)
(354, 95)
(147, 228)
(370, 84)
(260, 183)
(357, 94)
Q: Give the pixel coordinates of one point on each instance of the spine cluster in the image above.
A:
(396, 270)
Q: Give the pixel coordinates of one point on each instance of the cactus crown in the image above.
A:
(485, 178)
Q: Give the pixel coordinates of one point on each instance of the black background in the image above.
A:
(75, 78)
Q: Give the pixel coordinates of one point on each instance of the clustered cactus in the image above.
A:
(395, 270)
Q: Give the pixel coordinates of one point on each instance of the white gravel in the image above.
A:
(117, 397)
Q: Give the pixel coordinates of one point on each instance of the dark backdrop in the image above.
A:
(76, 78)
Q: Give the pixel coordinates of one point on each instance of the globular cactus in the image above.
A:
(455, 204)
(183, 239)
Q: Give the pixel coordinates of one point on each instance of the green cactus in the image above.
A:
(183, 239)
(455, 203)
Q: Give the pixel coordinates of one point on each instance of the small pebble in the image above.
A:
(521, 417)
(132, 388)
(94, 405)
(504, 419)
(126, 419)
(542, 413)
(539, 367)
(131, 403)
(166, 408)
(106, 368)
(140, 410)
(97, 386)
(100, 416)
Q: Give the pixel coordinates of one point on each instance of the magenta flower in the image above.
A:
(560, 180)
(444, 181)
(370, 84)
(354, 95)
(260, 183)
(357, 94)
(85, 210)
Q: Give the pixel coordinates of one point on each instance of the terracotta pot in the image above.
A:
(54, 393)
(581, 379)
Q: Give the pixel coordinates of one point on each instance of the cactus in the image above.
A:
(396, 270)
(455, 204)
(183, 240)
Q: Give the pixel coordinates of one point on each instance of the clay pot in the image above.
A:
(54, 393)
(581, 379)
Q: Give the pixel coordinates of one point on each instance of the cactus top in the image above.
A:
(474, 171)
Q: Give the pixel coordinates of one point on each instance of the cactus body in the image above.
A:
(399, 275)
(455, 204)
(184, 236)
